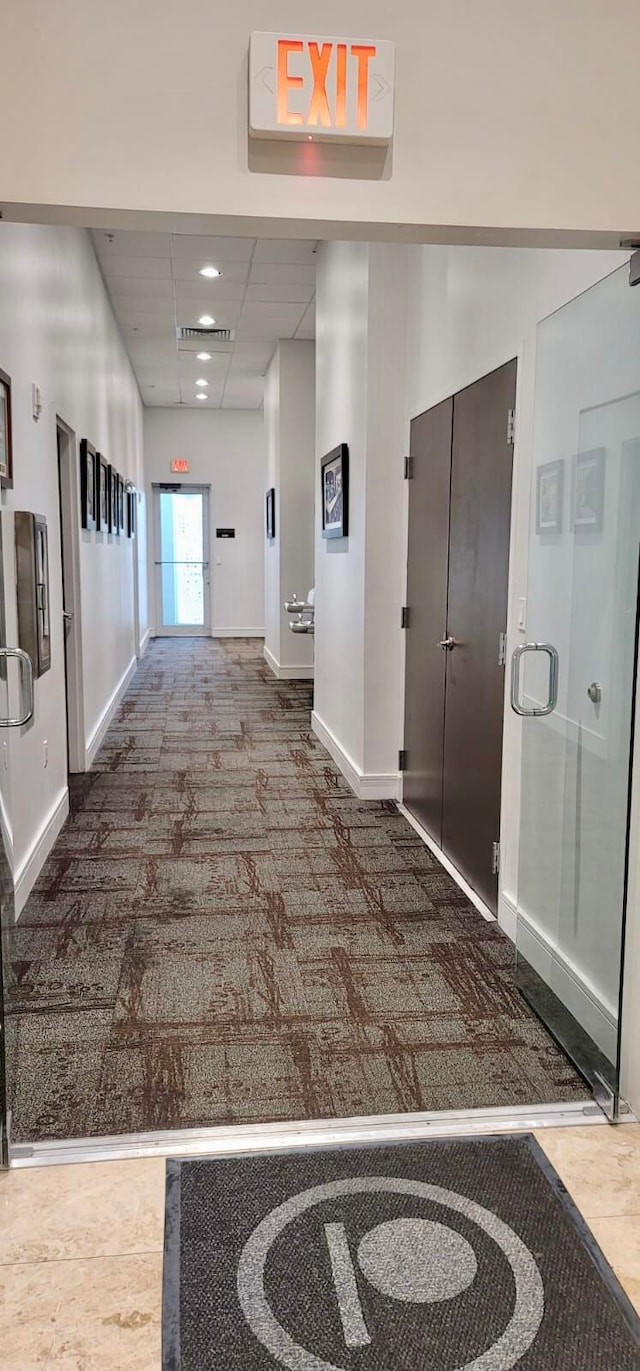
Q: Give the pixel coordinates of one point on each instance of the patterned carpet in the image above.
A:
(224, 933)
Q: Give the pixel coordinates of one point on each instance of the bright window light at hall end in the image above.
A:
(209, 272)
(206, 321)
(204, 356)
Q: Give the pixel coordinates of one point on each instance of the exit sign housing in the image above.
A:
(180, 464)
(322, 89)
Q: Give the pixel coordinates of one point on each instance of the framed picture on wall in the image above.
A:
(6, 444)
(271, 514)
(120, 505)
(113, 500)
(335, 492)
(131, 501)
(88, 483)
(102, 503)
(549, 497)
(589, 490)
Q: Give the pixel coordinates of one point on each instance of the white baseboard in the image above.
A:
(144, 643)
(448, 865)
(237, 633)
(366, 785)
(571, 985)
(287, 673)
(93, 743)
(26, 875)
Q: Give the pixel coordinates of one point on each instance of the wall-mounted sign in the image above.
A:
(180, 464)
(225, 533)
(321, 88)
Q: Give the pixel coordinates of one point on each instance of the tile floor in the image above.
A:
(81, 1249)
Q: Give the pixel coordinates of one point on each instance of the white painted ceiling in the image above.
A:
(266, 291)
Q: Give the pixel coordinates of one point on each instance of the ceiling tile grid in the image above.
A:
(265, 291)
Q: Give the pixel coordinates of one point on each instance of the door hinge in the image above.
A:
(495, 858)
(404, 616)
(511, 425)
(408, 468)
(502, 650)
(402, 759)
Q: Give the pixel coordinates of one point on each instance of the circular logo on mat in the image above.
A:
(412, 1260)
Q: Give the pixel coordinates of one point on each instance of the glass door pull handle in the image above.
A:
(554, 671)
(26, 680)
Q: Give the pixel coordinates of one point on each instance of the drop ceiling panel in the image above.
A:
(226, 313)
(186, 270)
(282, 295)
(282, 274)
(307, 326)
(144, 325)
(158, 268)
(142, 287)
(285, 250)
(133, 303)
(212, 249)
(209, 291)
(132, 244)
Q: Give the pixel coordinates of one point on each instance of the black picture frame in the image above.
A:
(88, 484)
(113, 500)
(120, 523)
(334, 492)
(271, 514)
(6, 432)
(131, 502)
(549, 497)
(588, 490)
(102, 494)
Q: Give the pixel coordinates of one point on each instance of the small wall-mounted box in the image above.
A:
(32, 584)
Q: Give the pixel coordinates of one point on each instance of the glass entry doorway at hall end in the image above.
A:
(182, 568)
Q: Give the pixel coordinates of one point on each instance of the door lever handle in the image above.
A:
(447, 644)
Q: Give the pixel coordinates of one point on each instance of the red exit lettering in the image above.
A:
(320, 113)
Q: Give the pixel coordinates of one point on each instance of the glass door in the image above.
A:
(182, 560)
(573, 678)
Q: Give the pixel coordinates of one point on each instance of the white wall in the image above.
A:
(226, 450)
(360, 400)
(291, 465)
(507, 113)
(57, 329)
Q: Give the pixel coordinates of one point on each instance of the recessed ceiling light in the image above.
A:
(209, 272)
(201, 395)
(206, 321)
(202, 382)
(204, 356)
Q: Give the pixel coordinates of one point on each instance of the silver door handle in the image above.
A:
(447, 644)
(66, 615)
(554, 671)
(26, 680)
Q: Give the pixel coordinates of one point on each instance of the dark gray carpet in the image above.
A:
(441, 1256)
(225, 934)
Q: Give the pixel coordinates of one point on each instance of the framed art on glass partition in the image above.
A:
(6, 446)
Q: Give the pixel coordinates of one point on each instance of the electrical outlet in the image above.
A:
(46, 753)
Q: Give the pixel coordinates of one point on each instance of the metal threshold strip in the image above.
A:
(308, 1133)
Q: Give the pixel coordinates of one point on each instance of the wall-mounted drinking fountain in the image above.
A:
(304, 612)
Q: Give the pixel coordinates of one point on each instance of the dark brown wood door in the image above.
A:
(477, 614)
(428, 556)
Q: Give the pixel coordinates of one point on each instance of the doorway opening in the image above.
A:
(182, 569)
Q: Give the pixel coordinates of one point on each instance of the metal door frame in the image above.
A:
(188, 488)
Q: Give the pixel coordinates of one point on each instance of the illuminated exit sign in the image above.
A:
(321, 88)
(180, 464)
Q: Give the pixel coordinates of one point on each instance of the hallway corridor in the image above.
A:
(225, 934)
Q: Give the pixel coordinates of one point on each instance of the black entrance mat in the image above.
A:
(438, 1256)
